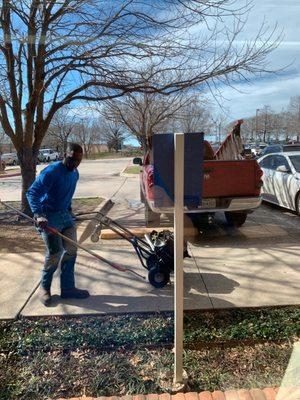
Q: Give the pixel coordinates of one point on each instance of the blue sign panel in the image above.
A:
(163, 157)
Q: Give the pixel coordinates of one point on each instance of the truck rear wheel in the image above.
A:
(152, 218)
(235, 219)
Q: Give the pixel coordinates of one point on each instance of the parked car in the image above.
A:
(281, 179)
(259, 148)
(10, 158)
(279, 148)
(47, 155)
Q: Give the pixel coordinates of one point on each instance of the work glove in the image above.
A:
(41, 221)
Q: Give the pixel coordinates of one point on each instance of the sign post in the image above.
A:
(178, 179)
(178, 253)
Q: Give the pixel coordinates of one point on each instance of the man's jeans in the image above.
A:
(59, 251)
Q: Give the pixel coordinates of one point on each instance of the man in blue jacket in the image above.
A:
(50, 198)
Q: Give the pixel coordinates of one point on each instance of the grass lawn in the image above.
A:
(120, 154)
(19, 236)
(133, 170)
(130, 354)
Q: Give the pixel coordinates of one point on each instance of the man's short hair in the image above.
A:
(75, 147)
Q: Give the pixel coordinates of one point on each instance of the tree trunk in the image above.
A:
(28, 161)
(144, 144)
(65, 145)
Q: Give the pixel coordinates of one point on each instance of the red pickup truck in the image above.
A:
(230, 186)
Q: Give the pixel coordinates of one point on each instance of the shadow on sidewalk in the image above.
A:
(157, 300)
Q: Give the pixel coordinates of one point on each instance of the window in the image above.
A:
(266, 162)
(280, 160)
(296, 162)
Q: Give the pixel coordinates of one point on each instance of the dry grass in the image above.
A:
(18, 236)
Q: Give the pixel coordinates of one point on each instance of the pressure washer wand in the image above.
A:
(91, 252)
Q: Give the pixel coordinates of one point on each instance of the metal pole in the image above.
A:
(178, 254)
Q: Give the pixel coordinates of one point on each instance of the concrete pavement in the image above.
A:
(237, 268)
(20, 275)
(255, 265)
(119, 292)
(97, 178)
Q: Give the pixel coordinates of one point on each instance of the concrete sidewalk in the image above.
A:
(214, 278)
(256, 265)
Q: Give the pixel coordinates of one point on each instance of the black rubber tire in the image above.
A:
(200, 220)
(236, 219)
(14, 163)
(95, 238)
(152, 218)
(158, 277)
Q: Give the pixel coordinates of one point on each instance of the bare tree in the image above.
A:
(114, 136)
(2, 136)
(53, 53)
(267, 125)
(266, 114)
(219, 124)
(294, 120)
(248, 129)
(86, 133)
(194, 115)
(61, 128)
(142, 114)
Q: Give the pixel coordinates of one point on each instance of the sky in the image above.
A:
(275, 89)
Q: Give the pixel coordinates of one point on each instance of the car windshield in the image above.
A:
(296, 162)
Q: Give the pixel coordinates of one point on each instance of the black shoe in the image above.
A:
(45, 296)
(74, 293)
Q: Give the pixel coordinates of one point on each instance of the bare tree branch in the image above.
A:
(56, 53)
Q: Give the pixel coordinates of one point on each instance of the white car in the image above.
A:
(10, 158)
(47, 155)
(281, 179)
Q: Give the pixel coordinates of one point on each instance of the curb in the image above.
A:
(107, 234)
(122, 173)
(269, 393)
(129, 175)
(10, 175)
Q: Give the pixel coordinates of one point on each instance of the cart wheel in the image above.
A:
(95, 238)
(158, 277)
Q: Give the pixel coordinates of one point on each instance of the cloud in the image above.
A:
(275, 89)
(275, 92)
